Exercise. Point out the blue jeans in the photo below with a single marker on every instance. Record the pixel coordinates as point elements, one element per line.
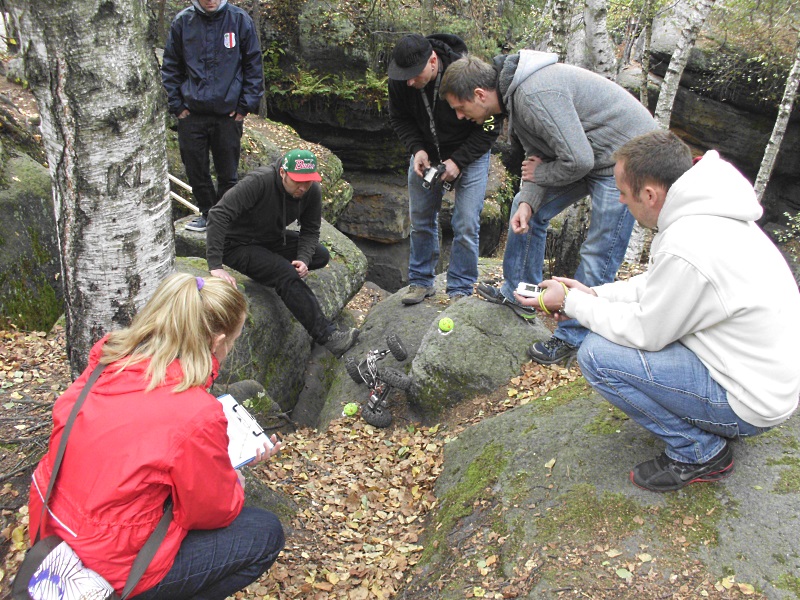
<point>602,251</point>
<point>424,206</point>
<point>216,563</point>
<point>670,393</point>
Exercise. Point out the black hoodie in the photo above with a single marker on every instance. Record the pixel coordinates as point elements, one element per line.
<point>461,141</point>
<point>257,210</point>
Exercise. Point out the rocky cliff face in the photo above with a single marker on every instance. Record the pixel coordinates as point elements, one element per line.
<point>738,125</point>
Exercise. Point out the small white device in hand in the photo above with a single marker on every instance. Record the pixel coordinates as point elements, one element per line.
<point>528,290</point>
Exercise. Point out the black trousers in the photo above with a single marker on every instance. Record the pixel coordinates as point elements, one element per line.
<point>222,136</point>
<point>272,266</point>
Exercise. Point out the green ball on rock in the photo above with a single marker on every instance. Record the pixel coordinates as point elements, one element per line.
<point>350,409</point>
<point>446,324</point>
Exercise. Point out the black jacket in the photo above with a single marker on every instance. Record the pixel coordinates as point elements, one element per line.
<point>212,63</point>
<point>257,210</point>
<point>461,141</point>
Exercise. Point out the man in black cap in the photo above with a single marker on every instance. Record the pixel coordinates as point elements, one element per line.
<point>434,135</point>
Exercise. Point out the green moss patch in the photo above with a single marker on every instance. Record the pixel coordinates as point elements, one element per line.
<point>789,480</point>
<point>608,422</point>
<point>589,516</point>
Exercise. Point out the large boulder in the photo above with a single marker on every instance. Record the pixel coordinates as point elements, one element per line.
<point>484,350</point>
<point>31,294</point>
<point>543,490</point>
<point>274,347</point>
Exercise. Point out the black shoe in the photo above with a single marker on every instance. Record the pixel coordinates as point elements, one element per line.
<point>662,474</point>
<point>552,351</point>
<point>495,296</point>
<point>340,341</point>
<point>197,224</point>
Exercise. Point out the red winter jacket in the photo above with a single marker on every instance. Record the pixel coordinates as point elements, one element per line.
<point>129,450</point>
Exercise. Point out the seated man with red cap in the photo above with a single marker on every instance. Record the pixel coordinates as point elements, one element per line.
<point>247,231</point>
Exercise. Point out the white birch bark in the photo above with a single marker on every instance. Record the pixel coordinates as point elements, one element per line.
<point>599,49</point>
<point>778,131</point>
<point>559,34</point>
<point>672,78</point>
<point>96,81</point>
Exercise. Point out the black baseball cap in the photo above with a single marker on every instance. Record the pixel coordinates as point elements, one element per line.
<point>409,57</point>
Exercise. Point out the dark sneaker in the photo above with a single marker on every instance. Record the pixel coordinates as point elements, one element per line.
<point>341,341</point>
<point>494,295</point>
<point>416,294</point>
<point>197,224</point>
<point>662,474</point>
<point>552,351</point>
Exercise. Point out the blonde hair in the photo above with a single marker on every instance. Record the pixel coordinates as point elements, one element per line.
<point>180,320</point>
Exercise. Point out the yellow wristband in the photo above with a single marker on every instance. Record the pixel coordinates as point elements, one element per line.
<point>541,303</point>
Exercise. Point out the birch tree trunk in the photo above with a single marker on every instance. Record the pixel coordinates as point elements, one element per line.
<point>784,111</point>
<point>562,17</point>
<point>599,49</point>
<point>672,79</point>
<point>96,81</point>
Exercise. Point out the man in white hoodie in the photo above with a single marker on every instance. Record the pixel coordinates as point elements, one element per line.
<point>703,346</point>
<point>570,122</point>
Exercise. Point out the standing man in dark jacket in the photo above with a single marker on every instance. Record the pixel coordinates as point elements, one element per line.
<point>433,135</point>
<point>213,76</point>
<point>247,231</point>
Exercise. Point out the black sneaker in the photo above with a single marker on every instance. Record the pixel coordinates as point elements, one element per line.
<point>495,296</point>
<point>662,474</point>
<point>197,224</point>
<point>340,341</point>
<point>552,351</point>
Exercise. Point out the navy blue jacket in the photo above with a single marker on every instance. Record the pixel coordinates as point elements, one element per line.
<point>212,63</point>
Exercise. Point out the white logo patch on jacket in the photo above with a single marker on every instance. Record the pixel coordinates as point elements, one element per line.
<point>229,39</point>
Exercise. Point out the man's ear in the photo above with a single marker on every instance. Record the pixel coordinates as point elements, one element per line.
<point>479,94</point>
<point>653,195</point>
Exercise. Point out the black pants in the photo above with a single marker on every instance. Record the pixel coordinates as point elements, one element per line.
<point>272,266</point>
<point>222,136</point>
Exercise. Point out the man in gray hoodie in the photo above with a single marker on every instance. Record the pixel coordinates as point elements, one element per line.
<point>570,122</point>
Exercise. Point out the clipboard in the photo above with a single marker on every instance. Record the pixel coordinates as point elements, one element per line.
<point>244,433</point>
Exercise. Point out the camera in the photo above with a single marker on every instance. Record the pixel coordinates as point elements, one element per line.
<point>432,175</point>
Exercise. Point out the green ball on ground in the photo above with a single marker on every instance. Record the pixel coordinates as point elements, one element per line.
<point>446,324</point>
<point>350,409</point>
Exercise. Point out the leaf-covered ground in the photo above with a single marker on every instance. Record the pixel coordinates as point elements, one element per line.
<point>363,496</point>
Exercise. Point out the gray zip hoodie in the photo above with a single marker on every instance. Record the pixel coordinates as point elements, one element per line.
<point>573,119</point>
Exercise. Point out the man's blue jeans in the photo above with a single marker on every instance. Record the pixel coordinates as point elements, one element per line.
<point>216,563</point>
<point>670,393</point>
<point>602,251</point>
<point>424,206</point>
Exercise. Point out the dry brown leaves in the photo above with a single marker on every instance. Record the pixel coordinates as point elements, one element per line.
<point>363,494</point>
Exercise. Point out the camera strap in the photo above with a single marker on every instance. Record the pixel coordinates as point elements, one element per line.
<point>430,110</point>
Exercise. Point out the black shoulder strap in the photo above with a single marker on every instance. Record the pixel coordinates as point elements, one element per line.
<point>62,445</point>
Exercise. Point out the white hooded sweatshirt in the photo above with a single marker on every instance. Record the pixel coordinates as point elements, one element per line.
<point>718,285</point>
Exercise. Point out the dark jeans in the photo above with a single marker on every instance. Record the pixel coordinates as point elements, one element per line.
<point>216,563</point>
<point>222,136</point>
<point>272,266</point>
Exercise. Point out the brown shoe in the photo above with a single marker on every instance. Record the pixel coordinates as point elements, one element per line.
<point>416,294</point>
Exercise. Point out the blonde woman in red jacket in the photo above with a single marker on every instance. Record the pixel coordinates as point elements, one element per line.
<point>149,431</point>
